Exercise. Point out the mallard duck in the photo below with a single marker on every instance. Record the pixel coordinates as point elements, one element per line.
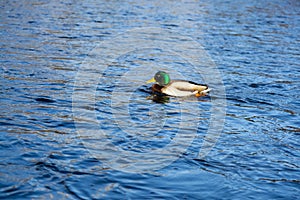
<point>176,88</point>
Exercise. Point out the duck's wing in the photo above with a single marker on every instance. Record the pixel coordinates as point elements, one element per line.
<point>188,85</point>
<point>181,88</point>
<point>173,91</point>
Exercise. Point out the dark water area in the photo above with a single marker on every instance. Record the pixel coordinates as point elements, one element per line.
<point>73,91</point>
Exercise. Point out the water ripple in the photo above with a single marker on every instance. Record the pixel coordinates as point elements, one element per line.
<point>255,45</point>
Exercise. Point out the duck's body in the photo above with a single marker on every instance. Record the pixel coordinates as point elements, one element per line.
<point>177,88</point>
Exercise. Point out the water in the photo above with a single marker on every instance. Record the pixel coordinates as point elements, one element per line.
<point>44,44</point>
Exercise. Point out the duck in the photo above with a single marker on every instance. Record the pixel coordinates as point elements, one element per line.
<point>176,88</point>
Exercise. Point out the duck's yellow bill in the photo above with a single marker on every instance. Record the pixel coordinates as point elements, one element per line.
<point>151,80</point>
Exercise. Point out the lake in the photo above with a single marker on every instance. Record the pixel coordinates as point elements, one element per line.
<point>78,120</point>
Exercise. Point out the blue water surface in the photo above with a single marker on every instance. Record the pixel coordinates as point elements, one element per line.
<point>44,44</point>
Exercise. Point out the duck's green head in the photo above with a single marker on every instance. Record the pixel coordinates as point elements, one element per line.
<point>161,77</point>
